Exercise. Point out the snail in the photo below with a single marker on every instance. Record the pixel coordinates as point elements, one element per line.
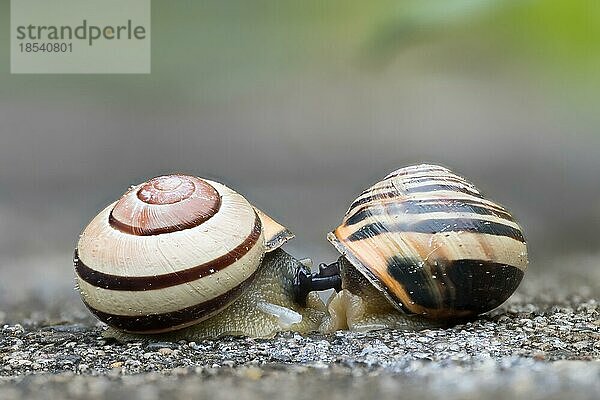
<point>181,257</point>
<point>422,248</point>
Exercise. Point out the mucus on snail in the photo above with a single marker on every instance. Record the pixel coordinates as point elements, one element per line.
<point>422,248</point>
<point>181,257</point>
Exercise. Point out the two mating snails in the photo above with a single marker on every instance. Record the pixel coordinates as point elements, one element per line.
<point>188,258</point>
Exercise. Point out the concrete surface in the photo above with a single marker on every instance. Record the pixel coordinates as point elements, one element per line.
<point>535,346</point>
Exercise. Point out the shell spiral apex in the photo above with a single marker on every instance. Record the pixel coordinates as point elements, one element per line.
<point>165,204</point>
<point>433,244</point>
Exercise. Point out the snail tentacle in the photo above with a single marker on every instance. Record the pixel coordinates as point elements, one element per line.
<point>327,278</point>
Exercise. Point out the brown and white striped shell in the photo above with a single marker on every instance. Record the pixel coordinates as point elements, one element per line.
<point>171,252</point>
<point>432,244</point>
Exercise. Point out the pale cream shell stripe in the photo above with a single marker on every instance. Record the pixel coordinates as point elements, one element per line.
<point>107,250</point>
<point>423,169</point>
<point>412,184</point>
<point>444,194</point>
<point>436,177</point>
<point>406,181</point>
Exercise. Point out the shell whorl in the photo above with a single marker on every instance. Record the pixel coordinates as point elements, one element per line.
<point>165,204</point>
<point>433,244</point>
<point>171,252</point>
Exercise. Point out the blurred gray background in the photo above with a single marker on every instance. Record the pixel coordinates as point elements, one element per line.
<point>300,106</point>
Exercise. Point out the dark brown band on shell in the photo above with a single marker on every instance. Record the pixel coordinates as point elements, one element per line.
<point>153,282</point>
<point>435,226</point>
<point>416,207</point>
<point>448,288</point>
<point>156,323</point>
<point>152,208</point>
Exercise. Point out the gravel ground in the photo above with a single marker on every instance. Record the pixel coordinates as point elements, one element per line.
<point>536,351</point>
<point>543,343</point>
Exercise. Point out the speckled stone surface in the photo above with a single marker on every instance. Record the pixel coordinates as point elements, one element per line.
<point>523,349</point>
<point>544,343</point>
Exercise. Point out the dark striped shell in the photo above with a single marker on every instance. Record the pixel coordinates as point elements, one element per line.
<point>432,244</point>
<point>171,252</point>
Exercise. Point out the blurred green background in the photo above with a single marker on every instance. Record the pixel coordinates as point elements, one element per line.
<point>300,106</point>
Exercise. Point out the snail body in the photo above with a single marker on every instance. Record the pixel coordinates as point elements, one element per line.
<point>423,247</point>
<point>175,254</point>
